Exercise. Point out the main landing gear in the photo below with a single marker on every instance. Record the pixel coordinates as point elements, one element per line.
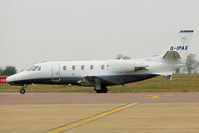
<point>22,90</point>
<point>102,90</point>
<point>99,88</point>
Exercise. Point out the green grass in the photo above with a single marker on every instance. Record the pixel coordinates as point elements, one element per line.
<point>180,83</point>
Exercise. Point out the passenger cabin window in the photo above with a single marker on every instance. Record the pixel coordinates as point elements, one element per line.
<point>64,67</point>
<point>107,67</point>
<point>82,67</point>
<point>102,66</point>
<point>73,67</point>
<point>91,67</point>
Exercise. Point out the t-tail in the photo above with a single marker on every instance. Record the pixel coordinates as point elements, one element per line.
<point>179,49</point>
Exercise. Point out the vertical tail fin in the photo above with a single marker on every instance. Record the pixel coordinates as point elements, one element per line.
<point>180,47</point>
<point>182,43</point>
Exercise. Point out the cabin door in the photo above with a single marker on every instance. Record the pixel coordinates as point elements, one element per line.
<point>56,72</point>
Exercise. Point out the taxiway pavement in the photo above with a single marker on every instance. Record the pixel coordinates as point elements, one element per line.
<point>99,113</point>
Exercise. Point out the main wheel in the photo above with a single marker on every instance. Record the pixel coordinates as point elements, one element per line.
<point>22,91</point>
<point>102,90</point>
<point>98,91</point>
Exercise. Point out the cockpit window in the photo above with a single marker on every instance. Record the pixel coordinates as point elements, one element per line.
<point>39,68</point>
<point>34,68</point>
<point>30,69</point>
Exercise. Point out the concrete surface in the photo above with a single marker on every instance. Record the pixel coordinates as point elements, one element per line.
<point>71,98</point>
<point>41,118</point>
<point>155,112</point>
<point>148,118</point>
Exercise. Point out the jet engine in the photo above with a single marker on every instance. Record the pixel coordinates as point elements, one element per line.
<point>121,66</point>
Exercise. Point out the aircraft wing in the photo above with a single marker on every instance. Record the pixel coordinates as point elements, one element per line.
<point>90,80</point>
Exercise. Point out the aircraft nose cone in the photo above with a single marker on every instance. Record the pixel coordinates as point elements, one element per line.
<point>10,79</point>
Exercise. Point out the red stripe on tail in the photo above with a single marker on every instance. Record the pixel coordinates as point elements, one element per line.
<point>2,80</point>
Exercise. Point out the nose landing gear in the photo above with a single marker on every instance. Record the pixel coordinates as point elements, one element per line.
<point>22,90</point>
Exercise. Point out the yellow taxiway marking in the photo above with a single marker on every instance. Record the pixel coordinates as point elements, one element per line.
<point>154,97</point>
<point>84,121</point>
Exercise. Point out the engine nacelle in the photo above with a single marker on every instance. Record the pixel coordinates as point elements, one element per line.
<point>121,66</point>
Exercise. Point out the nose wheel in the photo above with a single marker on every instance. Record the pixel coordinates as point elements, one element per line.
<point>22,90</point>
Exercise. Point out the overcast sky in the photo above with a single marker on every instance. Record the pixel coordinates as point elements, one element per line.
<point>33,31</point>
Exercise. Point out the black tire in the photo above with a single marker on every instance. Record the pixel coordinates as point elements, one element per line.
<point>102,90</point>
<point>22,91</point>
<point>98,91</point>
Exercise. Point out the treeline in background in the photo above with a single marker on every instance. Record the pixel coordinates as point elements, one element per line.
<point>9,70</point>
<point>191,66</point>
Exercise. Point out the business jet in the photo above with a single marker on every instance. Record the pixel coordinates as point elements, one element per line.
<point>100,74</point>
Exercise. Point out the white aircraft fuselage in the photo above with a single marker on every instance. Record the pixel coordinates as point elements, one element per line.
<point>101,74</point>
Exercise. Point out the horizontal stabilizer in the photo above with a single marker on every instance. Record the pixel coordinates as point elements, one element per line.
<point>171,55</point>
<point>165,73</point>
<point>2,80</point>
